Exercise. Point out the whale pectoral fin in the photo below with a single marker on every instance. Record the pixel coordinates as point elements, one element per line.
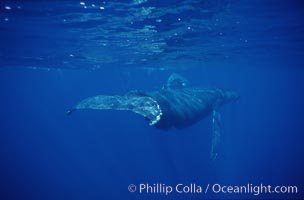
<point>69,112</point>
<point>140,104</point>
<point>136,93</point>
<point>216,134</point>
<point>100,102</point>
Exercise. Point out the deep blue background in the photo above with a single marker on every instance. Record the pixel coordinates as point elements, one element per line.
<point>47,155</point>
<point>95,155</point>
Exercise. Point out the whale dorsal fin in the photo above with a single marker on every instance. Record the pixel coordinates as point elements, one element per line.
<point>176,81</point>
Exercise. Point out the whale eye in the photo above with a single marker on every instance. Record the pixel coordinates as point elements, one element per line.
<point>176,81</point>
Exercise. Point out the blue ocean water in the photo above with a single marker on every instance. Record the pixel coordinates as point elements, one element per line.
<point>55,53</point>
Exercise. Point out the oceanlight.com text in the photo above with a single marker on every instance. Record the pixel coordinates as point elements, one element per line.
<point>254,189</point>
<point>216,188</point>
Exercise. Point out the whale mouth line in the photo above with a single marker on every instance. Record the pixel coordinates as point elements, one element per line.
<point>138,103</point>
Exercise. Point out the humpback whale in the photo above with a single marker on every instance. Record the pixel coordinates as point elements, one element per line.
<point>174,105</point>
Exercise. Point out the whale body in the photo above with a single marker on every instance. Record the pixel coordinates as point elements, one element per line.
<point>174,105</point>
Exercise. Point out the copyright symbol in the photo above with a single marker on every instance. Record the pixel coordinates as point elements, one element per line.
<point>132,188</point>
